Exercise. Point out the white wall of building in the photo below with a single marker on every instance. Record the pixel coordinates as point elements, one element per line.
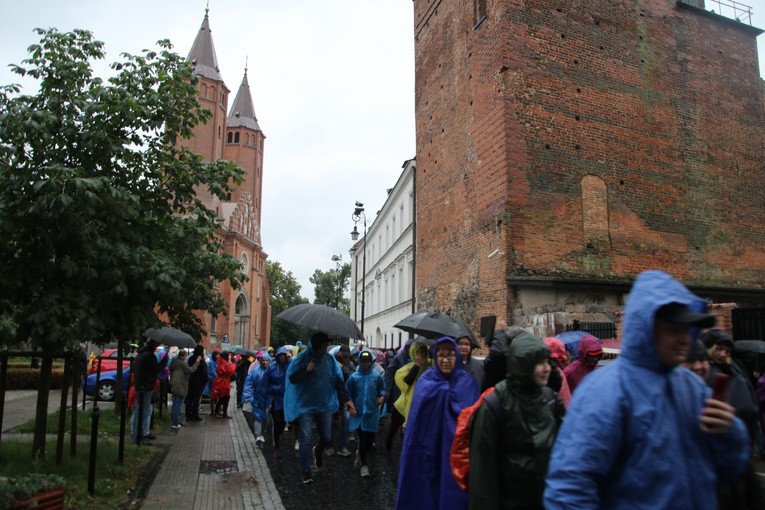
<point>388,281</point>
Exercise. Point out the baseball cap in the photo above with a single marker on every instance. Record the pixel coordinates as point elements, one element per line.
<point>366,356</point>
<point>678,313</point>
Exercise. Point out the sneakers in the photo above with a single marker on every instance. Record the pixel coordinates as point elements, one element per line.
<point>175,427</point>
<point>259,441</point>
<point>344,452</point>
<point>297,445</point>
<point>329,451</point>
<point>364,472</point>
<point>307,477</point>
<point>150,436</point>
<point>317,459</point>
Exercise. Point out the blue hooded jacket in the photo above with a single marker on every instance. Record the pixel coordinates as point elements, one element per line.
<point>425,478</point>
<point>256,389</point>
<point>277,375</point>
<point>364,387</point>
<point>632,436</point>
<point>316,392</point>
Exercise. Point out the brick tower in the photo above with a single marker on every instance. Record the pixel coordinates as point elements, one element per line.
<point>565,146</point>
<point>235,137</point>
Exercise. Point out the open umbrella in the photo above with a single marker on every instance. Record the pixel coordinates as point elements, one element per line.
<point>571,340</point>
<point>751,353</point>
<point>434,325</point>
<point>171,337</point>
<point>322,318</point>
<point>245,352</point>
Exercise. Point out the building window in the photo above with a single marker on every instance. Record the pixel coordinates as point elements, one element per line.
<point>230,137</point>
<point>241,320</point>
<point>236,137</point>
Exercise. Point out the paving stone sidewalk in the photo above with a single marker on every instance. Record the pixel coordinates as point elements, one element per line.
<point>213,464</point>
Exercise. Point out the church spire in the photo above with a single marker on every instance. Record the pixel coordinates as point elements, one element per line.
<point>242,112</point>
<point>202,52</point>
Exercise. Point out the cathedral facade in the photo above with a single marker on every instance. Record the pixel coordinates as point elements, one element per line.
<point>233,134</point>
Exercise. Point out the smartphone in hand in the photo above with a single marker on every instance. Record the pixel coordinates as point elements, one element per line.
<point>720,386</point>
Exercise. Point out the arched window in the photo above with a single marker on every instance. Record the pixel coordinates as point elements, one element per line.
<point>230,137</point>
<point>241,320</point>
<point>236,137</point>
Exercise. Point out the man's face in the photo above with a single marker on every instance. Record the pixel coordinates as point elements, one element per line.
<point>592,361</point>
<point>541,373</point>
<point>464,345</point>
<point>446,358</point>
<point>264,362</point>
<point>672,342</point>
<point>699,367</point>
<point>322,349</point>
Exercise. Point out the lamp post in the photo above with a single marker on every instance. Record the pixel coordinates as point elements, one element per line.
<point>358,215</point>
<point>338,259</point>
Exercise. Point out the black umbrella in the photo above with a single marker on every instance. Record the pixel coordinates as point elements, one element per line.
<point>322,318</point>
<point>245,352</point>
<point>436,324</point>
<point>755,346</point>
<point>171,337</point>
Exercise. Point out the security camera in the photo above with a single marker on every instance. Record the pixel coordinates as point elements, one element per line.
<point>494,253</point>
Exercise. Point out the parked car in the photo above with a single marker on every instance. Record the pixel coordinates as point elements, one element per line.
<point>107,384</point>
<point>109,361</point>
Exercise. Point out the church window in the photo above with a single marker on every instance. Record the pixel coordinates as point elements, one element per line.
<point>230,137</point>
<point>236,137</point>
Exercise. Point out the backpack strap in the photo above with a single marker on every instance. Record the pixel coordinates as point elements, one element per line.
<point>492,401</point>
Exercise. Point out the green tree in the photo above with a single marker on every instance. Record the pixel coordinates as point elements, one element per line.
<point>330,287</point>
<point>99,220</point>
<point>285,292</point>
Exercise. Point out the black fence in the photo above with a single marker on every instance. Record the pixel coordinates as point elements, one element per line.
<point>601,330</point>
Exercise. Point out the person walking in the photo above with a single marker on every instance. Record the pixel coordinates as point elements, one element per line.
<point>393,392</point>
<point>221,389</point>
<point>314,389</point>
<point>425,479</point>
<point>366,388</point>
<point>644,432</point>
<point>510,451</point>
<point>471,365</point>
<point>197,382</point>
<point>277,374</point>
<point>590,352</point>
<point>408,375</point>
<point>256,393</point>
<point>179,384</point>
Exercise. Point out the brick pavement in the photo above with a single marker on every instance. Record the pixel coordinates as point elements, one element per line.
<point>213,464</point>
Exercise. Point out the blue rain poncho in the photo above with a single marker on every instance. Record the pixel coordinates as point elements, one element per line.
<point>317,391</point>
<point>364,388</point>
<point>632,436</point>
<point>256,389</point>
<point>277,374</point>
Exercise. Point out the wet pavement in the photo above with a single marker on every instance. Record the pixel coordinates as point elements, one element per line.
<point>338,485</point>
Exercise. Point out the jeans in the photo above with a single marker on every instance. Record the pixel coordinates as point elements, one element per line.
<point>175,416</point>
<point>145,397</point>
<point>342,433</point>
<point>323,426</point>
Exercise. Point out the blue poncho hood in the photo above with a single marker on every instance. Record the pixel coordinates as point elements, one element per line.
<point>316,392</point>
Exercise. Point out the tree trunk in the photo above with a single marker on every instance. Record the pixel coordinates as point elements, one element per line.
<point>41,415</point>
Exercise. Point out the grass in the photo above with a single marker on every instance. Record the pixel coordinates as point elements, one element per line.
<point>114,484</point>
<point>108,423</point>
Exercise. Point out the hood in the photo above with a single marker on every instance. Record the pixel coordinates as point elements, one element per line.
<point>265,355</point>
<point>557,349</point>
<point>524,353</point>
<point>416,344</point>
<point>281,351</point>
<point>444,340</point>
<point>586,344</point>
<point>651,291</point>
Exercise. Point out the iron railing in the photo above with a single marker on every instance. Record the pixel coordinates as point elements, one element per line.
<point>728,8</point>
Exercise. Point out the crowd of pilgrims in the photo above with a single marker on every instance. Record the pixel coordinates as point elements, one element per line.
<point>640,432</point>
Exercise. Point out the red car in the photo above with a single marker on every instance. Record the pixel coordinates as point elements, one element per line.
<point>109,361</point>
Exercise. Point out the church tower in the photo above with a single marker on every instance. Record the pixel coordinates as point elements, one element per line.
<point>236,137</point>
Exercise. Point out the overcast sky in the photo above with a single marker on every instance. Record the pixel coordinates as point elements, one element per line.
<point>333,86</point>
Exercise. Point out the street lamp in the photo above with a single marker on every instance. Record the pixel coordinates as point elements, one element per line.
<point>338,259</point>
<point>358,215</point>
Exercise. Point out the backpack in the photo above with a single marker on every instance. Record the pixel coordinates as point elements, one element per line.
<point>459,456</point>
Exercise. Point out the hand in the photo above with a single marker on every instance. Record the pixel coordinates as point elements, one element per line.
<point>381,400</point>
<point>310,366</point>
<point>717,416</point>
<point>351,407</point>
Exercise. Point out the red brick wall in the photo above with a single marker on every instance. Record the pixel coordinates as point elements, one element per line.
<point>660,108</point>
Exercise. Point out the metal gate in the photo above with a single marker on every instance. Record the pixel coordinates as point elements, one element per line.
<point>600,330</point>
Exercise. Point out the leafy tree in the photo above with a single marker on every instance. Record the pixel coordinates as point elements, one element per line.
<point>100,224</point>
<point>285,292</point>
<point>330,287</point>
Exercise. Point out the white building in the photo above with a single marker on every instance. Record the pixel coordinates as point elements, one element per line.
<point>388,282</point>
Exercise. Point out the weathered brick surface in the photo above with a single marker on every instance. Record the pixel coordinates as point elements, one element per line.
<point>587,140</point>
